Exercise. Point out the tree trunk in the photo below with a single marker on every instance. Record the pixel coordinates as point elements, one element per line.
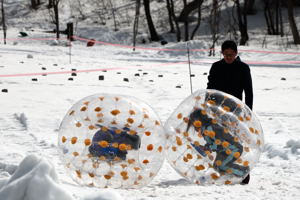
<point>188,9</point>
<point>178,32</point>
<point>198,20</point>
<point>271,20</point>
<point>242,23</point>
<point>273,16</point>
<point>3,21</point>
<point>113,14</point>
<point>186,24</point>
<point>55,7</point>
<point>250,7</point>
<point>214,25</point>
<point>33,4</point>
<point>281,21</point>
<point>136,21</point>
<point>50,4</point>
<point>152,30</point>
<point>172,29</point>
<point>277,17</point>
<point>266,7</point>
<point>292,22</point>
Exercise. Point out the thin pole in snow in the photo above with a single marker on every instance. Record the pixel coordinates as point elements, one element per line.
<point>189,61</point>
<point>70,38</point>
<point>70,51</point>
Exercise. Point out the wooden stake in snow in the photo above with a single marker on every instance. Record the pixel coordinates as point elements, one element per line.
<point>70,34</point>
<point>101,77</point>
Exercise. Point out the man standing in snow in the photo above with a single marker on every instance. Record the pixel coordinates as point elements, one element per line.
<point>232,76</point>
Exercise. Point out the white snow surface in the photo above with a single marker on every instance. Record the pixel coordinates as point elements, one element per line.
<point>36,92</point>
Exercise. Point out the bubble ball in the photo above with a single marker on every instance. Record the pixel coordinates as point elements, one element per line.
<point>113,141</point>
<point>213,138</point>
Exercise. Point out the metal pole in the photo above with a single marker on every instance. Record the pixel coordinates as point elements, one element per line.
<point>189,61</point>
<point>70,37</point>
<point>70,52</point>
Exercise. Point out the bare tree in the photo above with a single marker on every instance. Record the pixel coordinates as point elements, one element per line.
<point>198,20</point>
<point>250,7</point>
<point>80,9</point>
<point>268,17</point>
<point>186,23</point>
<point>279,21</point>
<point>136,21</point>
<point>50,4</point>
<point>3,21</point>
<point>101,10</point>
<point>242,20</point>
<point>293,25</point>
<point>113,12</point>
<point>188,8</point>
<point>153,34</point>
<point>214,21</point>
<point>231,28</point>
<point>172,29</point>
<point>273,16</point>
<point>56,13</point>
<point>35,4</point>
<point>174,18</point>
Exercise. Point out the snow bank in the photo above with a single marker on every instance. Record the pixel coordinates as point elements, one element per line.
<point>35,178</point>
<point>197,48</point>
<point>294,145</point>
<point>22,119</point>
<point>7,168</point>
<point>273,151</point>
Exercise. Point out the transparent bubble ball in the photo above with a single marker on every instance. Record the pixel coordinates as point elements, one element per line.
<point>113,141</point>
<point>213,138</point>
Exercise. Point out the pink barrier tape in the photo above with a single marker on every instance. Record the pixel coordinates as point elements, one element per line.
<point>164,49</point>
<point>253,62</point>
<point>87,70</point>
<point>272,62</point>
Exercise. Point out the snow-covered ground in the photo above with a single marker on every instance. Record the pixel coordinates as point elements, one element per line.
<point>36,75</point>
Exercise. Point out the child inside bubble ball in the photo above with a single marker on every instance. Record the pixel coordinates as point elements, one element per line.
<point>113,144</point>
<point>219,140</point>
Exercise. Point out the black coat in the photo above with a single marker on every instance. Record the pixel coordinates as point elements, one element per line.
<point>232,78</point>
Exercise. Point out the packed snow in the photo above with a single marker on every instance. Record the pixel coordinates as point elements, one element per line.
<point>37,92</point>
<point>41,79</point>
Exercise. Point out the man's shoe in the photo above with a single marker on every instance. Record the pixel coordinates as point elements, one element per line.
<point>246,180</point>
